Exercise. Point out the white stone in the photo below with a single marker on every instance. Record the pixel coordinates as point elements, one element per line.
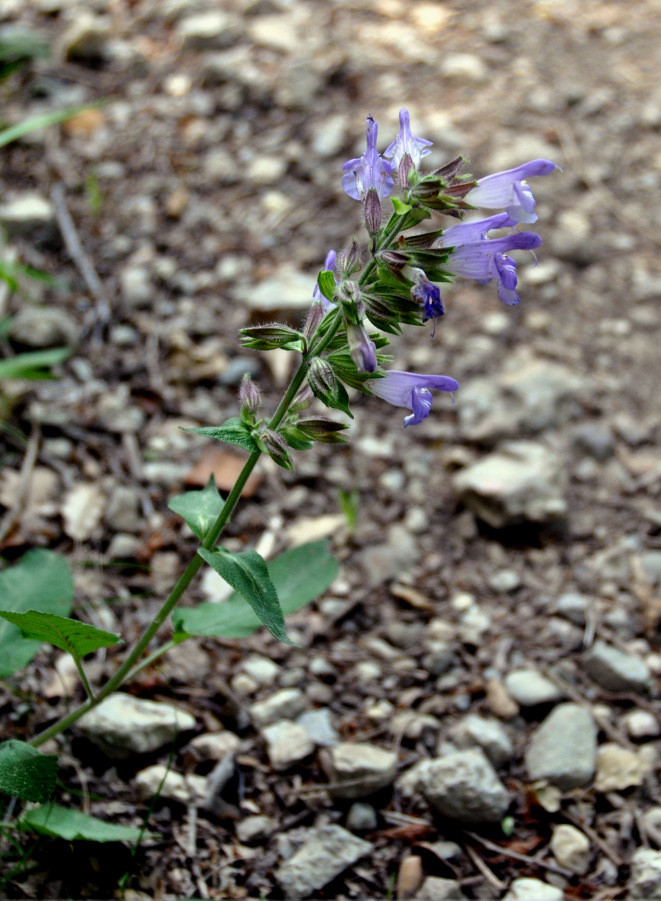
<point>287,744</point>
<point>288,703</point>
<point>645,878</point>
<point>159,780</point>
<point>615,670</point>
<point>357,769</point>
<point>254,828</point>
<point>528,688</point>
<point>216,745</point>
<point>529,889</point>
<point>488,734</point>
<point>261,669</point>
<point>571,848</point>
<point>641,724</point>
<point>464,786</point>
<point>123,725</point>
<point>26,214</point>
<point>619,768</point>
<point>563,748</point>
<point>327,852</point>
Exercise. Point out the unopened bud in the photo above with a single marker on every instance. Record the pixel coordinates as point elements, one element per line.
<point>314,317</point>
<point>349,261</point>
<point>372,211</point>
<point>275,446</point>
<point>322,429</point>
<point>250,397</point>
<point>321,379</point>
<point>394,260</point>
<point>405,166</point>
<point>361,348</point>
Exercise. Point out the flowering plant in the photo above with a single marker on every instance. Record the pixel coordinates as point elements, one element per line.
<point>362,295</point>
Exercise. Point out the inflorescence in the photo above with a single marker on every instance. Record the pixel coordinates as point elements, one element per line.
<point>363,294</point>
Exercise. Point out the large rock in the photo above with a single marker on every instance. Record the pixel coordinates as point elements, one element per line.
<point>123,725</point>
<point>464,786</point>
<point>529,396</point>
<point>358,769</point>
<point>522,481</point>
<point>328,851</point>
<point>615,670</point>
<point>563,748</point>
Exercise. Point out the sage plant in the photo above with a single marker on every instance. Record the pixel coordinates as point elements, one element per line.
<point>365,292</point>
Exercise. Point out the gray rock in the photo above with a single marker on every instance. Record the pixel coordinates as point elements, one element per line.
<point>29,215</point>
<point>361,817</point>
<point>319,726</point>
<point>255,828</point>
<point>528,688</point>
<point>595,439</point>
<point>136,286</point>
<point>122,512</point>
<point>573,606</point>
<point>164,782</point>
<point>328,851</point>
<point>216,745</point>
<point>529,889</point>
<point>356,770</point>
<point>464,786</point>
<point>261,669</point>
<point>123,725</point>
<point>520,482</point>
<point>86,38</point>
<point>210,30</point>
<point>527,397</point>
<point>286,704</point>
<point>488,734</point>
<point>382,562</point>
<point>287,744</point>
<point>41,327</point>
<point>563,749</point>
<point>645,878</point>
<point>571,848</point>
<point>615,670</point>
<point>434,888</point>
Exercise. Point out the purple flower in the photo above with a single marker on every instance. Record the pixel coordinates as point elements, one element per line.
<point>317,296</point>
<point>406,144</point>
<point>411,389</point>
<point>368,171</point>
<point>361,348</point>
<point>469,232</point>
<point>428,295</point>
<point>508,189</point>
<point>487,258</point>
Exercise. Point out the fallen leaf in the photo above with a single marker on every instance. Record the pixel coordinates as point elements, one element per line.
<point>225,466</point>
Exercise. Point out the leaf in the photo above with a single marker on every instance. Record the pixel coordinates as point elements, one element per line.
<point>246,572</point>
<point>326,283</point>
<point>34,364</point>
<point>26,773</point>
<point>40,581</point>
<point>232,431</point>
<point>400,207</point>
<point>34,123</point>
<point>200,509</point>
<point>299,576</point>
<point>71,825</point>
<point>77,638</point>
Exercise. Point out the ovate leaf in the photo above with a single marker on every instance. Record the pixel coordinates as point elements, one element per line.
<point>39,581</point>
<point>299,576</point>
<point>77,638</point>
<point>71,825</point>
<point>26,773</point>
<point>232,431</point>
<point>200,509</point>
<point>247,573</point>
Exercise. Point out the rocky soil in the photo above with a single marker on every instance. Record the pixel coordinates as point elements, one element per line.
<point>474,711</point>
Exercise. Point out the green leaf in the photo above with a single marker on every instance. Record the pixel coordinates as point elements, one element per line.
<point>296,439</point>
<point>299,576</point>
<point>326,282</point>
<point>77,638</point>
<point>40,581</point>
<point>34,123</point>
<point>71,825</point>
<point>246,572</point>
<point>200,509</point>
<point>232,431</point>
<point>34,364</point>
<point>26,773</point>
<point>400,207</point>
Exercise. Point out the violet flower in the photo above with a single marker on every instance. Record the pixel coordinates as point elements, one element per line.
<point>317,296</point>
<point>428,295</point>
<point>406,145</point>
<point>508,189</point>
<point>411,389</point>
<point>368,171</point>
<point>487,258</point>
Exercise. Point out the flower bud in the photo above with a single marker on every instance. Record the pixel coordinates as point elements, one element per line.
<point>349,260</point>
<point>275,446</point>
<point>314,317</point>
<point>372,211</point>
<point>250,397</point>
<point>321,379</point>
<point>322,429</point>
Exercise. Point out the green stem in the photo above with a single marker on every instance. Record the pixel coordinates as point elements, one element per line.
<point>83,678</point>
<point>130,666</point>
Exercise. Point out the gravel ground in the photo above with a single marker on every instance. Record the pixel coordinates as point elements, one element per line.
<point>474,711</point>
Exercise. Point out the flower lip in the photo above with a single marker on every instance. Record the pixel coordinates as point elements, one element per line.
<point>412,390</point>
<point>508,189</point>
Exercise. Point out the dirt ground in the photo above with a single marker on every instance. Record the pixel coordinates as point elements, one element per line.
<point>213,167</point>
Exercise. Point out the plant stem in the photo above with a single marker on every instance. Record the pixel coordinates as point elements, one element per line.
<point>130,665</point>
